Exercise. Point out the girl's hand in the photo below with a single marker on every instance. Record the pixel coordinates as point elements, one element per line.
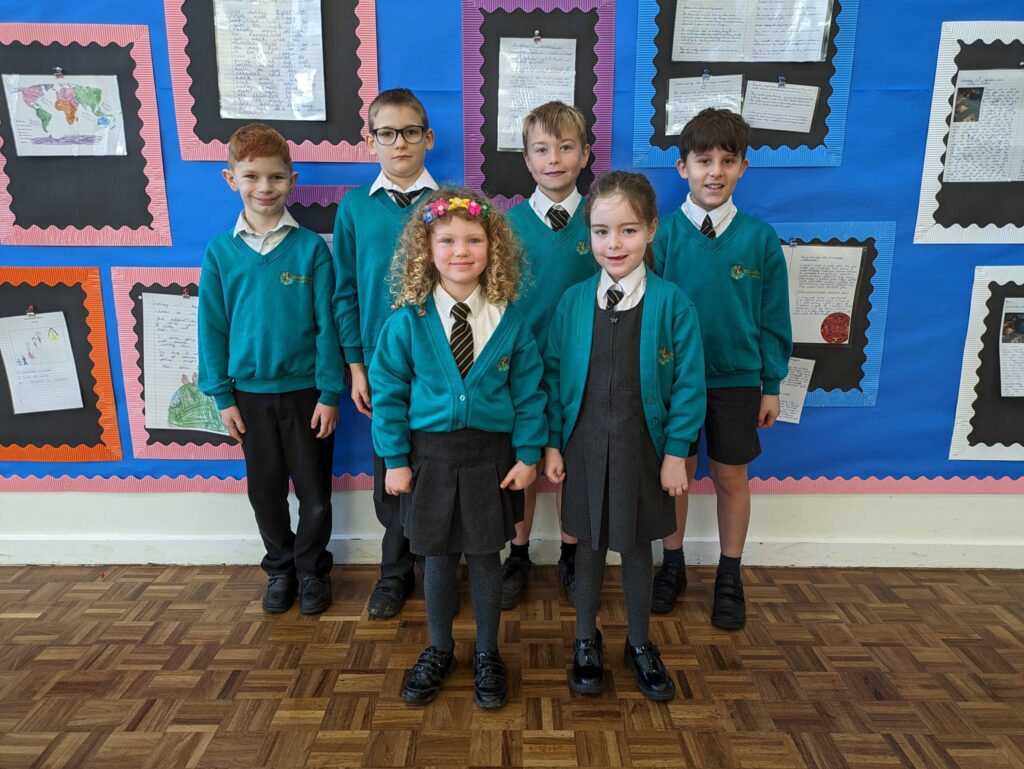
<point>232,419</point>
<point>398,480</point>
<point>360,389</point>
<point>325,418</point>
<point>554,465</point>
<point>673,475</point>
<point>520,476</point>
<point>769,410</point>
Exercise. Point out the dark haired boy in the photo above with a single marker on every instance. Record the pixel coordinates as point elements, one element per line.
<point>731,266</point>
<point>366,231</point>
<point>269,356</point>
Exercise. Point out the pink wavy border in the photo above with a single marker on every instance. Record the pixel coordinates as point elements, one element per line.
<point>194,148</point>
<point>159,234</point>
<point>364,482</point>
<point>317,194</point>
<point>472,78</point>
<point>123,279</point>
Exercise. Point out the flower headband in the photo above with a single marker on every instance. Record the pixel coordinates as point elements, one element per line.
<point>441,207</point>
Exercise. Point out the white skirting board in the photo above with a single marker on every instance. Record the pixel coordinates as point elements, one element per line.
<point>905,530</point>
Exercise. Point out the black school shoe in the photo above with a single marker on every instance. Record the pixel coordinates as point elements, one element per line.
<point>314,594</point>
<point>389,595</point>
<point>424,679</point>
<point>587,674</point>
<point>280,593</point>
<point>729,611</point>
<point>652,679</point>
<point>490,681</point>
<point>515,575</point>
<point>669,582</point>
<point>567,578</point>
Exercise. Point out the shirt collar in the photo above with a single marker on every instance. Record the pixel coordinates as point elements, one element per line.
<point>242,225</point>
<point>382,182</point>
<point>718,215</point>
<point>445,302</point>
<point>541,203</point>
<point>629,284</point>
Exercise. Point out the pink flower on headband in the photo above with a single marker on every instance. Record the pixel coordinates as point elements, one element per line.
<point>474,208</point>
<point>439,207</point>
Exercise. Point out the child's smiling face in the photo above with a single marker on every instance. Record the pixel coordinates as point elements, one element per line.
<point>712,175</point>
<point>618,235</point>
<point>264,184</point>
<point>555,162</point>
<point>459,250</point>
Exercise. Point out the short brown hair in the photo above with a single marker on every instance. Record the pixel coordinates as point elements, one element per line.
<point>257,140</point>
<point>635,189</point>
<point>554,117</point>
<point>396,97</point>
<point>713,129</point>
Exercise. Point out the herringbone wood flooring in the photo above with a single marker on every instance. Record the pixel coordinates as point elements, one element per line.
<point>140,667</point>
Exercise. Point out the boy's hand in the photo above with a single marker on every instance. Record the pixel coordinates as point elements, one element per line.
<point>325,418</point>
<point>554,465</point>
<point>673,475</point>
<point>232,419</point>
<point>360,389</point>
<point>769,410</point>
<point>398,480</point>
<point>520,476</point>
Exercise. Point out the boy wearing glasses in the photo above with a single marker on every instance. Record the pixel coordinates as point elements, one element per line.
<point>366,231</point>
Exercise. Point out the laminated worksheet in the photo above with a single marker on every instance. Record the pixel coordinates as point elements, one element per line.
<point>986,134</point>
<point>689,95</point>
<point>793,390</point>
<point>822,288</point>
<point>1011,349</point>
<point>780,106</point>
<point>530,73</point>
<point>39,363</point>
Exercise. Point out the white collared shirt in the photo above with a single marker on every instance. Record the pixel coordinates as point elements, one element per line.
<point>424,180</point>
<point>541,204</point>
<point>483,318</point>
<point>632,286</point>
<point>721,217</point>
<point>270,239</point>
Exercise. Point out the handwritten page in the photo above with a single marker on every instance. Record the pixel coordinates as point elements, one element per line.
<point>793,389</point>
<point>270,59</point>
<point>73,115</point>
<point>1011,349</point>
<point>751,30</point>
<point>170,352</point>
<point>689,95</point>
<point>822,289</point>
<point>531,73</point>
<point>39,362</point>
<point>986,133</point>
<point>778,107</point>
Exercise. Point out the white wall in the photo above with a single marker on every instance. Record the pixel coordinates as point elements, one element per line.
<point>800,530</point>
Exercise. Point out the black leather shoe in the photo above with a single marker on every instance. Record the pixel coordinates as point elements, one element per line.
<point>669,582</point>
<point>567,576</point>
<point>490,683</point>
<point>424,679</point>
<point>587,675</point>
<point>729,611</point>
<point>652,679</point>
<point>514,576</point>
<point>389,596</point>
<point>314,594</point>
<point>280,593</point>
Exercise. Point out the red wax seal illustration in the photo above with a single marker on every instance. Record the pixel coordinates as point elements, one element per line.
<point>835,329</point>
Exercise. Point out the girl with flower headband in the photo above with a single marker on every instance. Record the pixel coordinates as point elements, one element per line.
<point>624,374</point>
<point>458,419</point>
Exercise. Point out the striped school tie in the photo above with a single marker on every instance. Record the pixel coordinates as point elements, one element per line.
<point>405,199</point>
<point>707,229</point>
<point>461,341</point>
<point>558,217</point>
<point>612,297</point>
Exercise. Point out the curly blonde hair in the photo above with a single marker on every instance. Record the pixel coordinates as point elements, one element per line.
<point>413,274</point>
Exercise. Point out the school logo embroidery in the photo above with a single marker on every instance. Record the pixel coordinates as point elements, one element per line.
<point>665,355</point>
<point>582,247</point>
<point>503,363</point>
<point>287,278</point>
<point>738,272</point>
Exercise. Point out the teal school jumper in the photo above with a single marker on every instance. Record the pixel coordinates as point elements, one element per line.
<point>739,285</point>
<point>265,320</point>
<point>416,385</point>
<point>671,365</point>
<point>555,261</point>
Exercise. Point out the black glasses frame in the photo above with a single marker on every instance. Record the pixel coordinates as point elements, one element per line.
<point>403,131</point>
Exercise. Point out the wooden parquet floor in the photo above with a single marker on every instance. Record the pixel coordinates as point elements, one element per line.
<point>146,667</point>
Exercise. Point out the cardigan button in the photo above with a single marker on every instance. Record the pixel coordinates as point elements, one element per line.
<point>650,399</point>
<point>462,397</point>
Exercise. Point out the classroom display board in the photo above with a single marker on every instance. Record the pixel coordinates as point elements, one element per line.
<point>907,351</point>
<point>785,66</point>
